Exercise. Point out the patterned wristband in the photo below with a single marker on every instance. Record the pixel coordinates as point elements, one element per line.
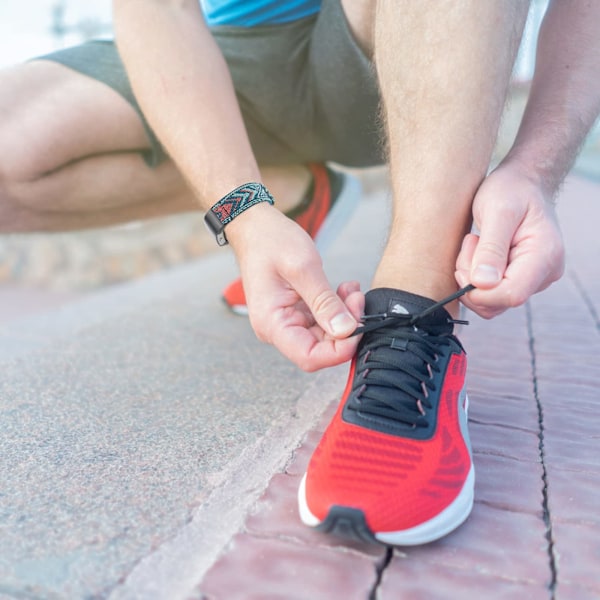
<point>233,205</point>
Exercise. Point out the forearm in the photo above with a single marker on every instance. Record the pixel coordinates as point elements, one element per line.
<point>564,99</point>
<point>183,86</point>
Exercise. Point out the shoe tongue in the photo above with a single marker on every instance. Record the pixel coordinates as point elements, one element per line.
<point>398,302</point>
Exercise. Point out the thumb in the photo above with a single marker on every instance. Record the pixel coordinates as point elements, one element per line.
<point>327,308</point>
<point>490,257</point>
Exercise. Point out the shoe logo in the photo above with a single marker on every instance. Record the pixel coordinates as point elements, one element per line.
<point>398,309</point>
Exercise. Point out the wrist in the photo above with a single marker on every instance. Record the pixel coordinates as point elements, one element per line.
<point>244,230</point>
<point>537,173</point>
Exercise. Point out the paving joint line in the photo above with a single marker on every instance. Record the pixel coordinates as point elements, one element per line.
<point>545,496</point>
<point>380,567</point>
<point>586,297</point>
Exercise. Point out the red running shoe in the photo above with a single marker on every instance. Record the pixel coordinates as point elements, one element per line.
<point>327,206</point>
<point>395,464</point>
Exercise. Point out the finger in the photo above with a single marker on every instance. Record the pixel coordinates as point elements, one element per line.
<point>481,304</point>
<point>490,257</point>
<point>356,304</point>
<point>326,306</point>
<point>353,298</point>
<point>346,288</point>
<point>309,350</point>
<point>526,274</point>
<point>464,259</point>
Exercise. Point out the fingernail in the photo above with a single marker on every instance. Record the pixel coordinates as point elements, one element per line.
<point>461,278</point>
<point>486,274</point>
<point>342,324</point>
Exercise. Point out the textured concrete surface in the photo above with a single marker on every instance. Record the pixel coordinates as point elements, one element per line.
<point>21,301</point>
<point>115,433</point>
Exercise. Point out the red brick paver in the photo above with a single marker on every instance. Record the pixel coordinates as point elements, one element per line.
<point>258,568</point>
<point>534,376</point>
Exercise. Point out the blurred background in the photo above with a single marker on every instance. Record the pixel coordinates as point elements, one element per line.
<point>37,26</point>
<point>38,271</point>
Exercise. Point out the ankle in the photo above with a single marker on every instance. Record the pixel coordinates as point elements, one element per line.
<point>430,283</point>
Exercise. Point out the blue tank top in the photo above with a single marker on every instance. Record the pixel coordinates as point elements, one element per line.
<point>246,13</point>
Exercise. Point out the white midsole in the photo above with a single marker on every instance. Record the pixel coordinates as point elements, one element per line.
<point>448,520</point>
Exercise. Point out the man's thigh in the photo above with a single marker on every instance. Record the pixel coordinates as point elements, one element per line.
<point>307,89</point>
<point>52,115</point>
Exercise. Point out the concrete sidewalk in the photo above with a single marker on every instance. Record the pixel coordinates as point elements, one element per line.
<point>142,458</point>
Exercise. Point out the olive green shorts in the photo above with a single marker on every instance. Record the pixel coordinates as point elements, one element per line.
<point>306,90</point>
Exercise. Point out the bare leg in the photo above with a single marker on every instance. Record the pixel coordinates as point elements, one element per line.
<point>444,69</point>
<point>70,149</point>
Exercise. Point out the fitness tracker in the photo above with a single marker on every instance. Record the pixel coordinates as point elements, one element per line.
<point>232,205</point>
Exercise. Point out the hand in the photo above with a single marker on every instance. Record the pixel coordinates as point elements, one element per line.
<point>290,302</point>
<point>519,250</point>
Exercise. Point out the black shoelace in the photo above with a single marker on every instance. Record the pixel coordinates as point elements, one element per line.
<point>395,370</point>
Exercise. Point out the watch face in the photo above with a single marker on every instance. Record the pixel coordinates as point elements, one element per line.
<point>221,239</point>
<point>215,226</point>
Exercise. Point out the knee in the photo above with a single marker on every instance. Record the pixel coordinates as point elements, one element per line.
<point>17,162</point>
<point>6,172</point>
<point>13,168</point>
<point>26,148</point>
<point>10,205</point>
<point>10,184</point>
<point>11,211</point>
<point>19,176</point>
<point>18,212</point>
<point>15,187</point>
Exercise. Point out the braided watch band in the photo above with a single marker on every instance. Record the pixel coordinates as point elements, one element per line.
<point>233,205</point>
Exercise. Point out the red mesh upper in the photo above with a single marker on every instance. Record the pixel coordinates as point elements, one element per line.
<point>397,482</point>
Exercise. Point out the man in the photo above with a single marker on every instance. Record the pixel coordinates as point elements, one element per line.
<point>395,464</point>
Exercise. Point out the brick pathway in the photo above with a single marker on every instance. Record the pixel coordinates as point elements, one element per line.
<point>535,528</point>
